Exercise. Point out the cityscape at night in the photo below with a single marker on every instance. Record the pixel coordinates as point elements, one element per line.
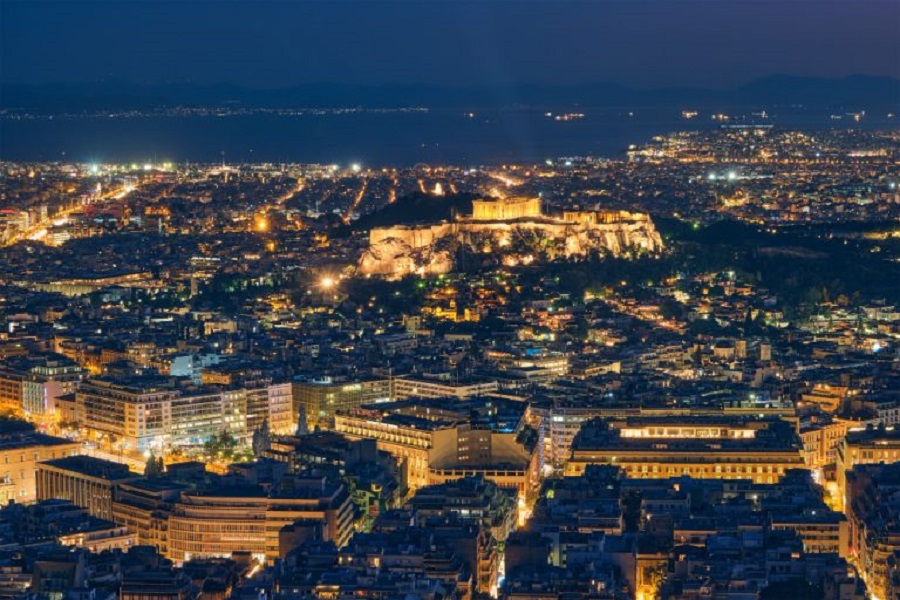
<point>448,300</point>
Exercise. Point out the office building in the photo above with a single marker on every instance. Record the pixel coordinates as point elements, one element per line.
<point>320,399</point>
<point>436,441</point>
<point>30,385</point>
<point>700,447</point>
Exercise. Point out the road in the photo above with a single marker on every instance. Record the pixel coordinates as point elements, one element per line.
<point>39,230</point>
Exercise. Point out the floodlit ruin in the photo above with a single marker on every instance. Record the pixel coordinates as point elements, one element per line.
<point>514,229</point>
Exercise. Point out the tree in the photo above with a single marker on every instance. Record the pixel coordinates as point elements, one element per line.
<point>154,466</point>
<point>670,308</point>
<point>631,511</point>
<point>302,423</point>
<point>262,438</point>
<point>223,444</point>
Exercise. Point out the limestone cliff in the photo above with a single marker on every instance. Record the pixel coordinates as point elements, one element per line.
<point>432,249</point>
<point>394,257</point>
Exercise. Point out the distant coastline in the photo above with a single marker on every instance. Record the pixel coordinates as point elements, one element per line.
<point>375,137</point>
<point>854,92</point>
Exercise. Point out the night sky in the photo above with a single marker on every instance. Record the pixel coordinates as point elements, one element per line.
<point>644,43</point>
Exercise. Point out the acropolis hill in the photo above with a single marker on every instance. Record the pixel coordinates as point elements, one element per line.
<point>512,230</point>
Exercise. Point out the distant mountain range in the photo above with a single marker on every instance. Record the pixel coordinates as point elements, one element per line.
<point>854,92</point>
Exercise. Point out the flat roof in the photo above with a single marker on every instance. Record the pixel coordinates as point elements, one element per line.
<point>94,467</point>
<point>30,440</point>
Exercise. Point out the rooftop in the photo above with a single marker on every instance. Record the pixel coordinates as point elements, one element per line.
<point>770,434</point>
<point>28,440</point>
<point>94,467</point>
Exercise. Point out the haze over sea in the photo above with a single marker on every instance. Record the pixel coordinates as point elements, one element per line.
<point>374,138</point>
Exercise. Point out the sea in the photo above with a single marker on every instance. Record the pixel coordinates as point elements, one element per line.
<point>377,138</point>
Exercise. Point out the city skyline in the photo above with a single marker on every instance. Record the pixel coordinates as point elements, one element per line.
<point>436,300</point>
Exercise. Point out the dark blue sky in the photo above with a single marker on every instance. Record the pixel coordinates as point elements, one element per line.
<point>646,43</point>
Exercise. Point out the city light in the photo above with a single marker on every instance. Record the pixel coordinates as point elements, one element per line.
<point>237,358</point>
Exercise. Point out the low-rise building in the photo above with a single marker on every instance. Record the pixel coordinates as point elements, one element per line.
<point>870,446</point>
<point>320,399</point>
<point>31,384</point>
<point>873,512</point>
<point>83,480</point>
<point>438,441</point>
<point>21,451</point>
<point>247,518</point>
<point>421,387</point>
<point>704,448</point>
<point>147,412</point>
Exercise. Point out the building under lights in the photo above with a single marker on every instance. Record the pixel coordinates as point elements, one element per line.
<point>32,384</point>
<point>248,518</point>
<point>320,399</point>
<point>420,387</point>
<point>443,440</point>
<point>761,450</point>
<point>871,446</point>
<point>873,511</point>
<point>560,420</point>
<point>21,451</point>
<point>155,412</point>
<point>83,480</point>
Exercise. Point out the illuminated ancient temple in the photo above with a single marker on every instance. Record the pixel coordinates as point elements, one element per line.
<point>495,224</point>
<point>506,209</point>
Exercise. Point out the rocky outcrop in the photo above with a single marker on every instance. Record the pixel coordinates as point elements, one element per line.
<point>431,249</point>
<point>393,257</point>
